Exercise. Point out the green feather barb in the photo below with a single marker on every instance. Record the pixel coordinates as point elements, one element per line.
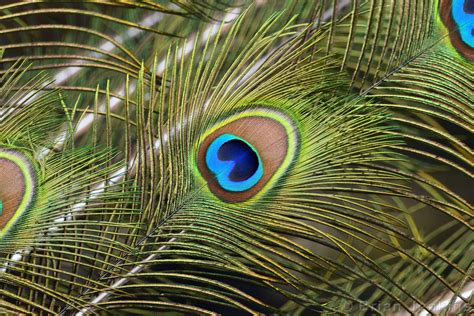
<point>228,157</point>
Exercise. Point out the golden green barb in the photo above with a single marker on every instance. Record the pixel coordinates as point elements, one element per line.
<point>291,157</point>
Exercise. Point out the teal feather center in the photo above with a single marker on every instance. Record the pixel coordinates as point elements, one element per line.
<point>235,163</point>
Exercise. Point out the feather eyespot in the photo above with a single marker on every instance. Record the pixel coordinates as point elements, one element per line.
<point>458,17</point>
<point>243,155</point>
<point>234,162</point>
<point>17,187</point>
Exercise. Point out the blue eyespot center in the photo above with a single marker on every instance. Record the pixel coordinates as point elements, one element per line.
<point>246,160</point>
<point>235,163</point>
<point>463,16</point>
<point>469,6</point>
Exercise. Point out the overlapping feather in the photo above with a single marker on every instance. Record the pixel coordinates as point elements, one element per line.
<point>367,83</point>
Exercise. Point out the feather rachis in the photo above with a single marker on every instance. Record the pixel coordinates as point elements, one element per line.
<point>339,227</point>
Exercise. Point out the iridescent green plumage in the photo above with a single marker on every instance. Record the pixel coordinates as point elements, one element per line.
<point>352,108</point>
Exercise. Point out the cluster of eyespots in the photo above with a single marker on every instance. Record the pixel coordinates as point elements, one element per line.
<point>245,154</point>
<point>458,17</point>
<point>17,187</point>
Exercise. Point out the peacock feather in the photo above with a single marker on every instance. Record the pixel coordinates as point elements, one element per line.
<point>236,157</point>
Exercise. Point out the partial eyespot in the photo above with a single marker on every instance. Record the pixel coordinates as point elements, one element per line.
<point>458,17</point>
<point>246,153</point>
<point>17,187</point>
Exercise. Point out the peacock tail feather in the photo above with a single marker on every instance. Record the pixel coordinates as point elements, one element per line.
<point>236,157</point>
